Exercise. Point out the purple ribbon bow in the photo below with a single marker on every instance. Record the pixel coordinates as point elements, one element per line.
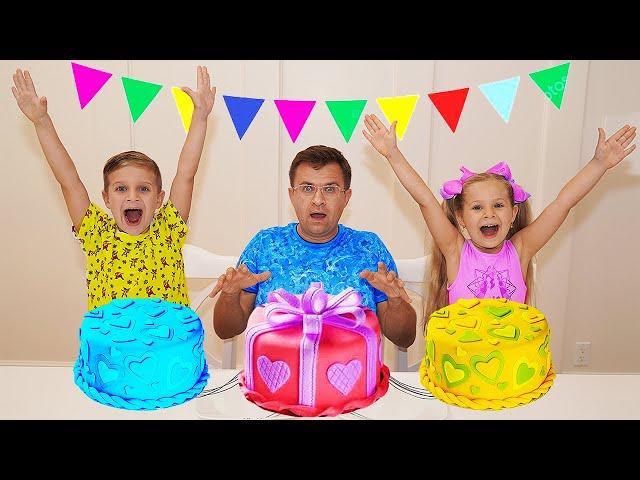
<point>312,309</point>
<point>284,307</point>
<point>454,187</point>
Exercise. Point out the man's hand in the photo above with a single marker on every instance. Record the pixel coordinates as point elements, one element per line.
<point>387,282</point>
<point>235,280</point>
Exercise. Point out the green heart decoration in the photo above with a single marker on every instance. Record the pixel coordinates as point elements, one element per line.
<point>469,336</point>
<point>542,349</point>
<point>431,350</point>
<point>508,332</point>
<point>499,311</point>
<point>489,367</point>
<point>467,322</point>
<point>442,313</point>
<point>454,373</point>
<point>524,373</point>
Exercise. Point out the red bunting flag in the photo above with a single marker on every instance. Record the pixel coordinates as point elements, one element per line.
<point>450,105</point>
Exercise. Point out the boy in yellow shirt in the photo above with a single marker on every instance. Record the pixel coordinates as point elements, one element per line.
<point>136,252</point>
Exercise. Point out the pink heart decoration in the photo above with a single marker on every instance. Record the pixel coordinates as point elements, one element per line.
<point>343,377</point>
<point>274,374</point>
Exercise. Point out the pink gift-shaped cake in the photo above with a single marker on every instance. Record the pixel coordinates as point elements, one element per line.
<point>313,354</point>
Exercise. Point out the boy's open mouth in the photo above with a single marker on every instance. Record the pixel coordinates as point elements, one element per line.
<point>133,216</point>
<point>489,230</point>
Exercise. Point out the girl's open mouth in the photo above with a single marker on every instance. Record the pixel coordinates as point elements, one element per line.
<point>489,231</point>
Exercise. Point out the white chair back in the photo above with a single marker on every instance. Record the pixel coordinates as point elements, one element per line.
<point>412,271</point>
<point>201,263</point>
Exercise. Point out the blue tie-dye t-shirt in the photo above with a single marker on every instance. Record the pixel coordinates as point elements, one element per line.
<point>294,263</point>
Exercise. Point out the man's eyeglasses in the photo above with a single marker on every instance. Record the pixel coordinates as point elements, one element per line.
<point>329,191</point>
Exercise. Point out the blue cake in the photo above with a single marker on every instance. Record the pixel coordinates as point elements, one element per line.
<point>141,354</point>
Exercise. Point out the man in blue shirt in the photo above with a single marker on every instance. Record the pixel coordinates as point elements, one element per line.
<point>316,249</point>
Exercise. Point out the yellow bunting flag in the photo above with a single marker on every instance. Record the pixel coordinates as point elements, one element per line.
<point>400,109</point>
<point>185,107</point>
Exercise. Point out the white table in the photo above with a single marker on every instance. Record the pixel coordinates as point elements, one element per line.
<point>49,393</point>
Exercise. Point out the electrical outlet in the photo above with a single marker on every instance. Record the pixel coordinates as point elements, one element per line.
<point>583,354</point>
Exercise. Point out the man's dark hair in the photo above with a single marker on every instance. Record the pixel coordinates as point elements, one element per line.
<point>319,156</point>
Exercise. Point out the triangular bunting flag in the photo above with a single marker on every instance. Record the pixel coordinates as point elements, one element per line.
<point>294,114</point>
<point>346,114</point>
<point>450,105</point>
<point>552,81</point>
<point>89,81</point>
<point>501,95</point>
<point>242,111</point>
<point>400,109</point>
<point>185,106</point>
<point>139,95</point>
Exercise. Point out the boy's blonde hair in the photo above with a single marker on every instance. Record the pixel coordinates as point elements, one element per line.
<point>130,158</point>
<point>438,296</point>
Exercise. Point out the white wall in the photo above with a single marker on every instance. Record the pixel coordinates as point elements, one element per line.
<point>605,264</point>
<point>241,185</point>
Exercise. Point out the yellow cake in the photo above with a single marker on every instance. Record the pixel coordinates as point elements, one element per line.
<point>487,354</point>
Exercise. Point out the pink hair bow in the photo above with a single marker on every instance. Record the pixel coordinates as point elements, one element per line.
<point>454,187</point>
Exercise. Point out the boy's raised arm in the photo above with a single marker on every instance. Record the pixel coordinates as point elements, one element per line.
<point>35,109</point>
<point>182,187</point>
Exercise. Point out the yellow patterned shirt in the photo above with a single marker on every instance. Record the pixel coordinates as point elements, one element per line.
<point>120,265</point>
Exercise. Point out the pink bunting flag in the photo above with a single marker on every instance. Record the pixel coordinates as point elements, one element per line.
<point>294,114</point>
<point>89,81</point>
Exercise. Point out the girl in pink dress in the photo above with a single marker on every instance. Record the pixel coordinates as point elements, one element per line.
<point>495,260</point>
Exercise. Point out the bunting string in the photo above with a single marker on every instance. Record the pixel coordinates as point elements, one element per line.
<point>346,114</point>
